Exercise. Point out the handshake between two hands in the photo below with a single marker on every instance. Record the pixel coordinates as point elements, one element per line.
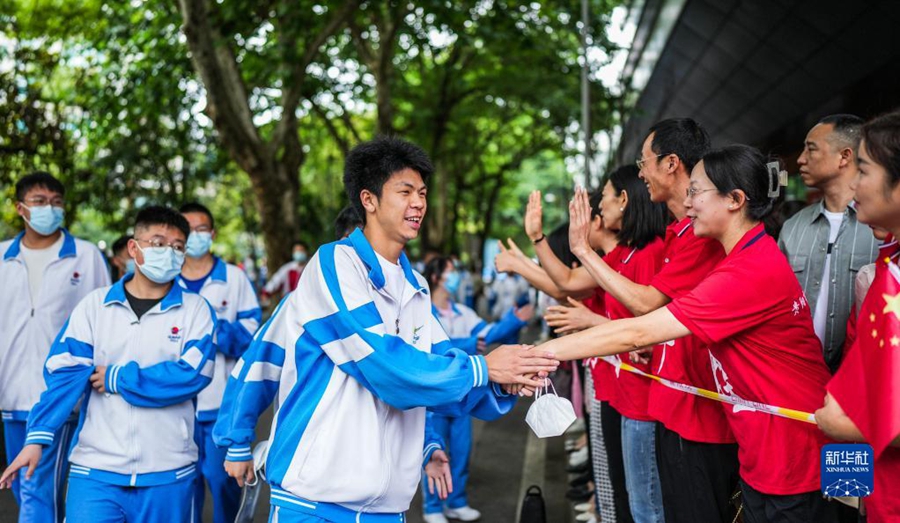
<point>521,369</point>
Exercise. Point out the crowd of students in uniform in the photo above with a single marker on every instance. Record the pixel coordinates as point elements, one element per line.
<point>114,395</point>
<point>140,393</point>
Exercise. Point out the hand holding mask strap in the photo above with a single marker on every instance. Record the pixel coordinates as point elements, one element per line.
<point>549,415</point>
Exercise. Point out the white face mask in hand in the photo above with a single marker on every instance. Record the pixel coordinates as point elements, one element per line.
<point>549,415</point>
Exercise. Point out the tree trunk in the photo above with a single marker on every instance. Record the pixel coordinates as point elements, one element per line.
<point>436,218</point>
<point>489,210</point>
<point>273,165</point>
<point>385,124</point>
<point>277,191</point>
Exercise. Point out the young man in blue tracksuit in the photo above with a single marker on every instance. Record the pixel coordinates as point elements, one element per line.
<point>353,354</point>
<point>44,273</point>
<point>231,295</point>
<point>135,354</point>
<point>467,331</point>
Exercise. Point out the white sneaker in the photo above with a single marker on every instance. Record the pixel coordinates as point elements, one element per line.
<point>579,456</point>
<point>584,507</point>
<point>466,513</point>
<point>586,517</point>
<point>436,517</point>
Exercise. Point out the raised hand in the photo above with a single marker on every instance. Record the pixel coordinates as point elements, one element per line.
<point>505,261</point>
<point>518,364</point>
<point>438,473</point>
<point>514,249</point>
<point>242,471</point>
<point>579,222</point>
<point>534,227</point>
<point>28,457</point>
<point>572,318</point>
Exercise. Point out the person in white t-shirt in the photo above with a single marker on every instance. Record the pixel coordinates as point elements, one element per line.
<point>825,243</point>
<point>44,273</point>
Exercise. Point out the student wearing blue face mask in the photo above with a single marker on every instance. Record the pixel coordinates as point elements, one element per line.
<point>287,277</point>
<point>44,273</point>
<point>135,355</point>
<point>229,291</point>
<point>467,331</point>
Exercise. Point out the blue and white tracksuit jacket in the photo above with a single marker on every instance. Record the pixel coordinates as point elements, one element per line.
<point>230,293</point>
<point>140,432</point>
<point>352,368</point>
<point>28,324</point>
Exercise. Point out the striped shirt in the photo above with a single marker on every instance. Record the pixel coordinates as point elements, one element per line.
<point>804,240</point>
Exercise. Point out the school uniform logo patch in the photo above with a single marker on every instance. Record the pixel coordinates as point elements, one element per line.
<point>75,279</point>
<point>222,308</point>
<point>175,334</point>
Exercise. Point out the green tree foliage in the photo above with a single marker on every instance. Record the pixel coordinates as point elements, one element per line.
<point>251,106</point>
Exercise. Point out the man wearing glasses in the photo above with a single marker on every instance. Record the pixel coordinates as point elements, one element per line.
<point>44,273</point>
<point>229,292</point>
<point>136,354</point>
<point>695,449</point>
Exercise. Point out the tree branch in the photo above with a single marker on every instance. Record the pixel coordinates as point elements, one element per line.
<point>227,101</point>
<point>332,130</point>
<point>293,92</point>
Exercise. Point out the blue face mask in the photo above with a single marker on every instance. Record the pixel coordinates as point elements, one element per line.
<point>198,244</point>
<point>46,220</point>
<point>299,256</point>
<point>129,265</point>
<point>161,264</point>
<point>451,282</point>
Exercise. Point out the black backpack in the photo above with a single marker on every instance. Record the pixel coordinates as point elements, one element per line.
<point>533,510</point>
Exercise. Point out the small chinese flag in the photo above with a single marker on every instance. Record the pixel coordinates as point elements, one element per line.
<point>867,386</point>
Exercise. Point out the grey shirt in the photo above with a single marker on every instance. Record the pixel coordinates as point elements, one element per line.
<point>804,240</point>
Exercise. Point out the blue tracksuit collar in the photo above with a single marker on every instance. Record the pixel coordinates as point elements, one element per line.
<point>67,249</point>
<point>116,294</point>
<point>219,271</point>
<point>366,253</point>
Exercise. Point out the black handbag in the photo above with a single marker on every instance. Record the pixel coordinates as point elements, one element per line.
<point>533,509</point>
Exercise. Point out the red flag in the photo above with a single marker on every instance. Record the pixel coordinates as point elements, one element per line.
<point>867,386</point>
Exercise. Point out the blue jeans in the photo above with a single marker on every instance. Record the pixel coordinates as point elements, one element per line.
<point>641,473</point>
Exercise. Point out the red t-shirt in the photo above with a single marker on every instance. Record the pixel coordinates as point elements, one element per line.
<point>639,266</point>
<point>601,372</point>
<point>687,260</point>
<point>867,386</point>
<point>753,314</point>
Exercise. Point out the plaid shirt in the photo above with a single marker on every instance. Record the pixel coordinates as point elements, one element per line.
<point>804,240</point>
